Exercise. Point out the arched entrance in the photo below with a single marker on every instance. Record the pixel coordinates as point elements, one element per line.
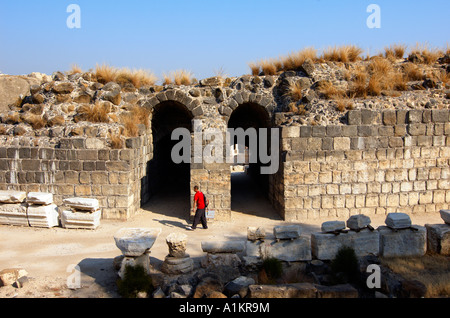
<point>166,179</point>
<point>250,189</point>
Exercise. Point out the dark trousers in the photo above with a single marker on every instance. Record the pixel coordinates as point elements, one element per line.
<point>200,216</point>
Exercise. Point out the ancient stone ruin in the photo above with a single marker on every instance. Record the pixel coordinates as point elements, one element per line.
<point>75,136</point>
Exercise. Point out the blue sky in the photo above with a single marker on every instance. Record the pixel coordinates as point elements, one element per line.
<point>203,36</point>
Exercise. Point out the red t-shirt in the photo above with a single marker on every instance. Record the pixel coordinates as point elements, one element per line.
<point>200,200</point>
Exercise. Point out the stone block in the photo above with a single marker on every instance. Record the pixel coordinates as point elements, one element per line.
<point>295,250</point>
<point>177,265</point>
<point>287,232</point>
<point>402,243</point>
<point>13,214</point>
<point>354,117</point>
<point>358,222</point>
<point>398,221</point>
<point>256,233</point>
<point>445,215</point>
<point>136,241</point>
<point>12,197</point>
<point>177,244</point>
<point>81,220</point>
<point>438,238</point>
<point>82,204</point>
<point>223,247</point>
<point>332,226</point>
<point>325,246</point>
<point>12,275</point>
<point>298,290</point>
<point>45,216</point>
<point>40,198</point>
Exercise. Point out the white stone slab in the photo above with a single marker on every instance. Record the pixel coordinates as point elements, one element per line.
<point>287,232</point>
<point>136,241</point>
<point>357,222</point>
<point>45,216</point>
<point>40,198</point>
<point>83,204</point>
<point>13,214</point>
<point>81,220</point>
<point>398,221</point>
<point>403,243</point>
<point>223,247</point>
<point>445,215</point>
<point>332,226</point>
<point>11,196</point>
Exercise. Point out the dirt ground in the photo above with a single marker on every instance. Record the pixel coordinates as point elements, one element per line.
<point>48,255</point>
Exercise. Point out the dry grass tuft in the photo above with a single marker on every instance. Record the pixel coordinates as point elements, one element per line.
<point>116,140</point>
<point>343,104</point>
<point>105,74</point>
<point>295,91</point>
<point>432,270</point>
<point>344,54</point>
<point>97,113</point>
<point>329,91</point>
<point>412,72</point>
<point>75,69</point>
<point>395,52</point>
<point>134,117</point>
<point>179,77</point>
<point>429,56</point>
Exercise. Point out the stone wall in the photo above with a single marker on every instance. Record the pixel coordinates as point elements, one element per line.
<point>381,162</point>
<point>81,167</point>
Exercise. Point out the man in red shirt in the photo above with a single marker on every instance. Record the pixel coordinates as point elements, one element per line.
<point>200,213</point>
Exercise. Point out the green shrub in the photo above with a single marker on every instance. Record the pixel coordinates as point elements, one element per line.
<point>273,268</point>
<point>135,280</point>
<point>345,263</point>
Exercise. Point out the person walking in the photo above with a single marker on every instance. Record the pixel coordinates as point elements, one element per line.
<point>200,204</point>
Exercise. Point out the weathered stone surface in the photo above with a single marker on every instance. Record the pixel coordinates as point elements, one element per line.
<point>177,265</point>
<point>438,238</point>
<point>223,247</point>
<point>332,226</point>
<point>256,233</point>
<point>325,246</point>
<point>81,220</point>
<point>445,215</point>
<point>142,260</point>
<point>82,204</point>
<point>398,220</point>
<point>177,244</point>
<point>357,222</point>
<point>402,243</point>
<point>11,275</point>
<point>43,215</point>
<point>40,198</point>
<point>220,260</point>
<point>12,196</point>
<point>295,250</point>
<point>13,214</point>
<point>136,241</point>
<point>337,291</point>
<point>239,286</point>
<point>300,290</point>
<point>14,87</point>
<point>287,232</point>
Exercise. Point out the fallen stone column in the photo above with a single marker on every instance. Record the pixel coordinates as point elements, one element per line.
<point>13,210</point>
